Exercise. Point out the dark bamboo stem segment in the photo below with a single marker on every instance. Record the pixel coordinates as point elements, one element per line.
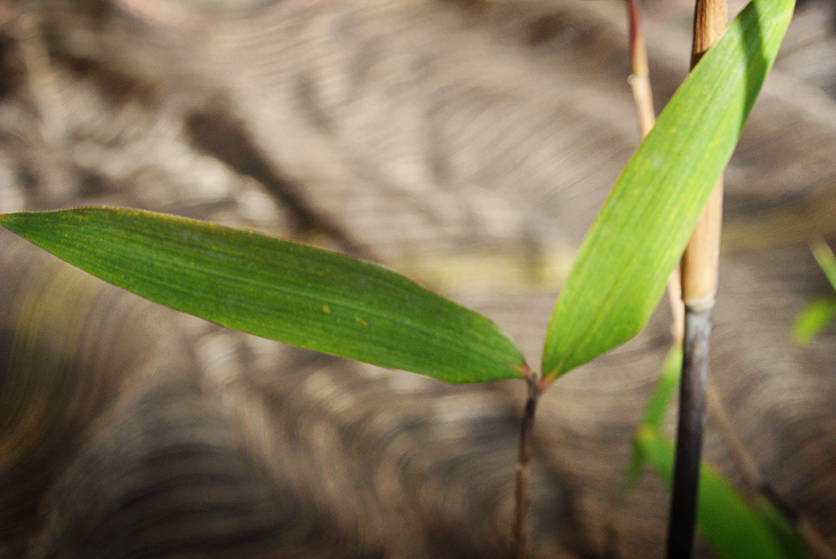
<point>523,457</point>
<point>681,530</point>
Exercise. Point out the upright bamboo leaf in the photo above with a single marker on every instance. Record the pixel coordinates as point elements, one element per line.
<point>276,289</point>
<point>641,231</point>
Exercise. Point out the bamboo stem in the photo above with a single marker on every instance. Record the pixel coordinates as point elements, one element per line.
<point>640,79</point>
<point>523,457</point>
<point>701,260</point>
<point>682,523</point>
<point>699,269</point>
<point>710,21</point>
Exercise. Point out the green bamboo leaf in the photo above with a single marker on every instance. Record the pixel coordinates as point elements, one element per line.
<point>654,413</point>
<point>642,230</point>
<point>279,290</point>
<point>827,260</point>
<point>817,315</point>
<point>781,529</point>
<point>735,529</point>
<point>814,318</point>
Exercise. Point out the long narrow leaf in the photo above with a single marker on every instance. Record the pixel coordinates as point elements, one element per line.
<point>641,231</point>
<point>725,520</point>
<point>276,289</point>
<point>654,413</point>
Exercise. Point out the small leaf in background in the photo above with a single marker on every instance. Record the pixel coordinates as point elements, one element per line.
<point>827,260</point>
<point>641,231</point>
<point>814,318</point>
<point>725,521</point>
<point>654,414</point>
<point>279,290</point>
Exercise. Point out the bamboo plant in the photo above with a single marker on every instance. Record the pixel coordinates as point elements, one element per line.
<point>342,306</point>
